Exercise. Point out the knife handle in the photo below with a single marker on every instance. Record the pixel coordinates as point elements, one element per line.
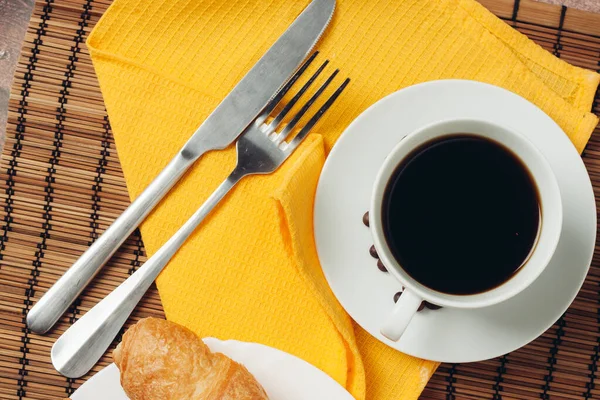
<point>44,314</point>
<point>80,347</point>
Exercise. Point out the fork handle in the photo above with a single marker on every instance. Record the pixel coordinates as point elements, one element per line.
<point>82,345</point>
<point>59,297</point>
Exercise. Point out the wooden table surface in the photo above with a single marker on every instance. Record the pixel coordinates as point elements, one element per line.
<point>14,17</point>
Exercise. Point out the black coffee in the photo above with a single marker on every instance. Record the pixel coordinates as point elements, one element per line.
<point>461,214</point>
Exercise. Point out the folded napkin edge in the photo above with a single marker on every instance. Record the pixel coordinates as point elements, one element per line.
<point>584,131</point>
<point>586,80</point>
<point>99,53</point>
<point>315,146</point>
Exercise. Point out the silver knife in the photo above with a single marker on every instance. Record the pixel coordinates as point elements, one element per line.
<point>241,106</point>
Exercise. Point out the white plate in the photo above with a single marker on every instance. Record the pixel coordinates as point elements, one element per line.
<point>343,195</point>
<point>283,376</point>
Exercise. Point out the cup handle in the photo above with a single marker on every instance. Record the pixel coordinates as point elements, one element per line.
<point>401,315</point>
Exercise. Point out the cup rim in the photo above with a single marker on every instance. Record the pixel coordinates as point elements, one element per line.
<point>477,300</point>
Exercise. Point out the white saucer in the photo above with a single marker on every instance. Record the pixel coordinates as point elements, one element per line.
<point>282,375</point>
<point>343,195</point>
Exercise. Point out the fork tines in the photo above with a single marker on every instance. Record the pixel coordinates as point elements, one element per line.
<point>270,128</point>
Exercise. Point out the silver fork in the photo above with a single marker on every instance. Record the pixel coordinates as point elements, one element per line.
<point>260,150</point>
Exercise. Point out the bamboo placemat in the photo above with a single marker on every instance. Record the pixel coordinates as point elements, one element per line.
<point>63,185</point>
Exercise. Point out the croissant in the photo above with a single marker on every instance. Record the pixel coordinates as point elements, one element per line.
<point>160,360</point>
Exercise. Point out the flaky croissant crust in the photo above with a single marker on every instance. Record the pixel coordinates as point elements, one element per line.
<point>161,360</point>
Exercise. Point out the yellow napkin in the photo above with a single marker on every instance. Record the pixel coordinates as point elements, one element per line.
<point>251,271</point>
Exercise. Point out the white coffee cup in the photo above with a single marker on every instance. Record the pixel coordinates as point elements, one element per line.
<point>547,239</point>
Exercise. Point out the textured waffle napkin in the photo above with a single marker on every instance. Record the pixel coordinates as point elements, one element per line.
<point>251,271</point>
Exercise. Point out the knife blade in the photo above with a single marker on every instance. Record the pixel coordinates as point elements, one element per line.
<point>239,108</point>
